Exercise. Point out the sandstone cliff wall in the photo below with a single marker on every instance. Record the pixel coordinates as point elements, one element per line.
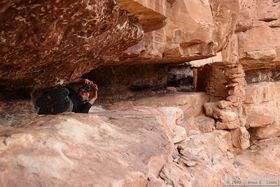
<point>258,33</point>
<point>67,40</point>
<point>181,139</point>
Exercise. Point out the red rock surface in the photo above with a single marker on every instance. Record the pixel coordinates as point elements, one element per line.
<point>67,40</point>
<point>127,147</point>
<point>258,40</point>
<point>45,43</point>
<point>156,141</point>
<point>38,39</point>
<point>116,148</point>
<point>208,160</point>
<point>188,33</point>
<point>262,109</point>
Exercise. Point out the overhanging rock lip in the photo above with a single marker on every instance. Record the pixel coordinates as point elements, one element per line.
<point>149,19</point>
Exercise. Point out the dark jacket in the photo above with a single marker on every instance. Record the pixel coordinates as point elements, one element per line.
<point>78,105</point>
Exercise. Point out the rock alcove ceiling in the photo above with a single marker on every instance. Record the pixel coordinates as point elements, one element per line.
<point>188,90</point>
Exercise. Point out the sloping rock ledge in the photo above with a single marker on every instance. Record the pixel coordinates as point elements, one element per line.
<point>130,146</point>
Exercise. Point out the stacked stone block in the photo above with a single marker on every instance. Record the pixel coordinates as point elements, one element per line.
<point>227,85</point>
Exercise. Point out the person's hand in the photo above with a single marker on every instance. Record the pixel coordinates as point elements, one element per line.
<point>94,92</point>
<point>89,82</point>
<point>94,88</point>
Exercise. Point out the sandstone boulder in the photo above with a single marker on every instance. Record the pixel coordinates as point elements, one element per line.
<point>223,115</point>
<point>266,132</point>
<point>180,134</point>
<point>240,138</point>
<point>204,124</point>
<point>259,115</point>
<point>116,148</point>
<point>174,116</point>
<point>227,125</point>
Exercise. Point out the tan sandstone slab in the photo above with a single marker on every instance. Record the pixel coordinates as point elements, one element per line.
<point>116,148</point>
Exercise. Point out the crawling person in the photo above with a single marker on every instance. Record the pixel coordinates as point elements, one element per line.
<point>66,99</point>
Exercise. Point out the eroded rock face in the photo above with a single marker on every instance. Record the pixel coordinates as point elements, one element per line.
<point>258,40</point>
<point>130,146</point>
<point>225,14</point>
<point>44,43</point>
<point>151,14</point>
<point>188,33</point>
<point>47,43</point>
<point>262,108</point>
<point>119,148</point>
<point>67,40</point>
<point>193,30</point>
<point>210,156</point>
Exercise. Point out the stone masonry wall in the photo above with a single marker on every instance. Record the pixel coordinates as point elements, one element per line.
<point>227,85</point>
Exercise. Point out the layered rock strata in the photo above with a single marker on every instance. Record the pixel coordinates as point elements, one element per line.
<point>257,31</point>
<point>193,30</point>
<point>262,109</point>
